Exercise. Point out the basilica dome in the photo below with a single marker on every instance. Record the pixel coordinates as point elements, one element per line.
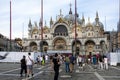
<point>100,24</point>
<point>97,22</point>
<point>71,18</point>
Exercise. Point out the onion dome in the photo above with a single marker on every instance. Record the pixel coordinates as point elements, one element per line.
<point>89,23</point>
<point>97,22</point>
<point>71,17</point>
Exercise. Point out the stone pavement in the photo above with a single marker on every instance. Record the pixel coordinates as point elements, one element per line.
<point>10,71</point>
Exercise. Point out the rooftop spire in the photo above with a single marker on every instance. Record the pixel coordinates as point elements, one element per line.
<point>97,17</point>
<point>83,20</point>
<point>60,12</point>
<point>83,16</point>
<point>30,24</point>
<point>51,21</point>
<point>88,19</point>
<point>97,14</point>
<point>70,12</point>
<point>45,23</point>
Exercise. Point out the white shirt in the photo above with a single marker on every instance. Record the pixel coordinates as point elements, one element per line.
<point>41,58</point>
<point>29,62</point>
<point>46,57</point>
<point>79,59</point>
<point>105,60</point>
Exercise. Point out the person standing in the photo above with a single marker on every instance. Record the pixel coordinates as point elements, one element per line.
<point>100,62</point>
<point>38,60</point>
<point>94,60</point>
<point>23,66</point>
<point>29,65</point>
<point>46,58</point>
<point>105,63</point>
<point>41,59</point>
<point>79,60</point>
<point>56,65</point>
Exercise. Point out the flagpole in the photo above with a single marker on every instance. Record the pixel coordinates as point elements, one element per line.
<point>41,25</point>
<point>10,27</point>
<point>42,20</point>
<point>75,27</point>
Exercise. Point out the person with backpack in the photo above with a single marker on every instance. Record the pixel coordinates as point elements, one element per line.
<point>72,62</point>
<point>56,65</point>
<point>23,66</point>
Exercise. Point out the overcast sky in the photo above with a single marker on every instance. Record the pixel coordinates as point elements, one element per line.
<point>23,10</point>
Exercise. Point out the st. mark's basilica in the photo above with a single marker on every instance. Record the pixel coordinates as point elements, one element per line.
<point>60,35</point>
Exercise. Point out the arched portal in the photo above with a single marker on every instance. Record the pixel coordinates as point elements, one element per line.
<point>59,44</point>
<point>89,47</point>
<point>76,47</point>
<point>43,46</point>
<point>33,46</point>
<point>103,47</point>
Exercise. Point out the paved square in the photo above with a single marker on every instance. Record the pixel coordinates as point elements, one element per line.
<point>10,71</point>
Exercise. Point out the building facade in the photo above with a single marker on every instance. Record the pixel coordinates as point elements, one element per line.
<point>5,44</point>
<point>60,36</point>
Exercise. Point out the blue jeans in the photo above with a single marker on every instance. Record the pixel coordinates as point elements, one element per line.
<point>67,67</point>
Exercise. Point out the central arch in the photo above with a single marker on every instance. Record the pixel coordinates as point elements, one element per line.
<point>59,44</point>
<point>89,47</point>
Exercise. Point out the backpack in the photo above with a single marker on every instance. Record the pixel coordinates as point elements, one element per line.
<point>67,59</point>
<point>72,59</point>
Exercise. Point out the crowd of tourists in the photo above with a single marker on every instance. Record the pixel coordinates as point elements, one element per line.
<point>27,64</point>
<point>101,61</point>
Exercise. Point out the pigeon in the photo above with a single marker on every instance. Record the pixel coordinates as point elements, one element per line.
<point>4,56</point>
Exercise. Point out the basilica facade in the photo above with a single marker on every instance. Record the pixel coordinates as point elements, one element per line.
<point>59,36</point>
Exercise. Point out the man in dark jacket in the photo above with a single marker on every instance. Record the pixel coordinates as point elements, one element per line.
<point>56,65</point>
<point>23,66</point>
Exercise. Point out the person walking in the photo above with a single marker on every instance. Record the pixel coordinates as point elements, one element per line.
<point>29,63</point>
<point>23,66</point>
<point>67,62</point>
<point>72,62</point>
<point>56,65</point>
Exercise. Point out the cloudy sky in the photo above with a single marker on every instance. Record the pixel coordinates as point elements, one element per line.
<point>23,10</point>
